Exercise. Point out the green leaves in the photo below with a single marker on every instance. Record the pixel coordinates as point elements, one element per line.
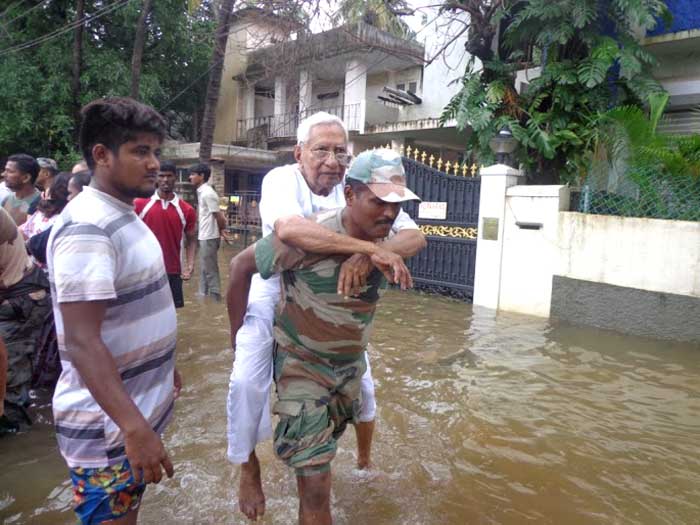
<point>495,91</point>
<point>592,72</point>
<point>36,83</point>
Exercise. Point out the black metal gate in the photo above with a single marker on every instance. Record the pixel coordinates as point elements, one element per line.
<point>447,264</point>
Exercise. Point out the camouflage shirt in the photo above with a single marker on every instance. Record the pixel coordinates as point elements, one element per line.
<point>312,316</point>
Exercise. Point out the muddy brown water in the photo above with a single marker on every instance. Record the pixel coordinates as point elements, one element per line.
<point>482,419</point>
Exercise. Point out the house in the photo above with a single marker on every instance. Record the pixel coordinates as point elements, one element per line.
<point>275,75</point>
<point>677,49</point>
<point>384,87</point>
<point>376,82</point>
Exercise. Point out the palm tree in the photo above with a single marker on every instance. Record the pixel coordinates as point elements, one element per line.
<point>139,42</point>
<point>214,85</point>
<point>383,14</point>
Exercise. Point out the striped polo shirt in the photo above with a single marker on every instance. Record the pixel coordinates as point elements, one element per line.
<point>99,250</point>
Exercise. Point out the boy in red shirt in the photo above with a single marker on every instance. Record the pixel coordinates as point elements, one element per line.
<point>168,217</point>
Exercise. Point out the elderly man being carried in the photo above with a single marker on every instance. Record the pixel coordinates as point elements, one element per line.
<point>321,334</point>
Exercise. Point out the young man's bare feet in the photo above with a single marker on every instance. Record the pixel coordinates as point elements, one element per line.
<point>251,499</point>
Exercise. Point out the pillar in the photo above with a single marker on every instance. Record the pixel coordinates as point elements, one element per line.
<point>305,89</point>
<point>278,121</point>
<point>217,179</point>
<point>495,180</point>
<point>355,95</point>
<point>250,102</point>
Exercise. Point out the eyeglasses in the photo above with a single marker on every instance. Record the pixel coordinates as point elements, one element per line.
<point>322,155</point>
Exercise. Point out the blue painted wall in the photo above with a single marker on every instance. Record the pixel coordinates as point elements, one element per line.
<point>686,16</point>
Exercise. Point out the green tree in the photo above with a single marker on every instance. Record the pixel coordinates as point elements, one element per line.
<point>383,14</point>
<point>589,59</point>
<point>48,69</point>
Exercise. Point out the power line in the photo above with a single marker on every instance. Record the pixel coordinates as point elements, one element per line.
<point>40,4</point>
<point>65,29</point>
<point>12,6</point>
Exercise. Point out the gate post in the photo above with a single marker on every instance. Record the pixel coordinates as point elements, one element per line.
<point>495,180</point>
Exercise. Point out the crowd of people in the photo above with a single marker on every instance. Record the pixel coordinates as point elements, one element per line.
<point>33,193</point>
<point>93,265</point>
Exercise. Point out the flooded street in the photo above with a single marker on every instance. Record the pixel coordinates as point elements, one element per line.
<point>482,419</point>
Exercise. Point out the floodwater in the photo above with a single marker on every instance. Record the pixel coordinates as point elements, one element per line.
<point>482,419</point>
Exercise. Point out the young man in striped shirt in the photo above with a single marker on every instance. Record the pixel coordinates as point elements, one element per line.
<point>115,319</point>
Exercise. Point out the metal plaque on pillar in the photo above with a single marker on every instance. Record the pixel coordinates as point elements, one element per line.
<point>489,228</point>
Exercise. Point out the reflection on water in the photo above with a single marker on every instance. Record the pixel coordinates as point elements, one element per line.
<point>481,419</point>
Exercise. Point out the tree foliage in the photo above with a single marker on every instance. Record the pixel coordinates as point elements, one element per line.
<point>36,106</point>
<point>589,59</point>
<point>383,14</point>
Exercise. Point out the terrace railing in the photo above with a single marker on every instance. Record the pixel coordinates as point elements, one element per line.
<point>286,124</point>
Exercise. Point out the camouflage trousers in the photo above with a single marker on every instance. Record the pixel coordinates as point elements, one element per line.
<point>22,317</point>
<point>317,398</point>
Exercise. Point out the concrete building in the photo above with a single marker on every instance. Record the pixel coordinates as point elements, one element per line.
<point>375,81</point>
<point>385,88</point>
<point>677,49</point>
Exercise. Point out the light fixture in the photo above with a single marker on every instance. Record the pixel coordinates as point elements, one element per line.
<point>502,145</point>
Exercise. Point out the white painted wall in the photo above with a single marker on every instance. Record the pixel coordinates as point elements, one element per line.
<point>378,112</point>
<point>647,254</point>
<point>437,83</point>
<point>326,86</point>
<point>530,257</point>
<point>495,181</point>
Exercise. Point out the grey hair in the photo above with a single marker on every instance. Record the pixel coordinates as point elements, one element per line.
<point>304,129</point>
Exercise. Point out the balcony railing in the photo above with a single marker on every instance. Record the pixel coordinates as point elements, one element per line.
<point>285,125</point>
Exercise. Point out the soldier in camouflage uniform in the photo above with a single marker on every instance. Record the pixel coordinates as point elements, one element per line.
<point>321,335</point>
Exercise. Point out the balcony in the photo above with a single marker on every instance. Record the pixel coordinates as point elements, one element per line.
<point>285,126</point>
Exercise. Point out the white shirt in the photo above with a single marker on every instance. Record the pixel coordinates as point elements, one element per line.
<point>285,192</point>
<point>207,205</point>
<point>4,192</point>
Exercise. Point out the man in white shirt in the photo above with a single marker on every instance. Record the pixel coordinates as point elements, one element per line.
<point>289,193</point>
<point>212,225</point>
<point>4,192</point>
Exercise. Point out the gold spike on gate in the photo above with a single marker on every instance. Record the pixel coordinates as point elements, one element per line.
<point>439,164</point>
<point>415,154</point>
<point>401,150</point>
<point>465,169</point>
<point>431,160</point>
<point>474,169</point>
<point>408,151</point>
<point>423,156</point>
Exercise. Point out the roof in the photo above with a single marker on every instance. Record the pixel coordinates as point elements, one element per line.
<point>357,39</point>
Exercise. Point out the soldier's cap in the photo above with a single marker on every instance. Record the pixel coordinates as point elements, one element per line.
<point>382,171</point>
<point>45,162</point>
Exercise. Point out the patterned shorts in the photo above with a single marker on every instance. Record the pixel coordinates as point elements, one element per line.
<point>317,398</point>
<point>103,494</point>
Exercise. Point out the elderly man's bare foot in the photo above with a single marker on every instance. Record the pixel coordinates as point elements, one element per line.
<point>251,499</point>
<point>364,464</point>
<point>364,432</point>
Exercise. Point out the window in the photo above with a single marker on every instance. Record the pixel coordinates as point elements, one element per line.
<point>412,86</point>
<point>401,86</point>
